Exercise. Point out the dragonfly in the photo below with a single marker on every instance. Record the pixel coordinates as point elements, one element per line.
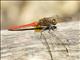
<point>43,24</point>
<point>46,23</point>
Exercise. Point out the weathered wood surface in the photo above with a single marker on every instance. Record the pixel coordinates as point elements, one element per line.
<point>26,45</point>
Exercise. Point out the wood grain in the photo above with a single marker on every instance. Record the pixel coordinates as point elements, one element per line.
<point>27,45</point>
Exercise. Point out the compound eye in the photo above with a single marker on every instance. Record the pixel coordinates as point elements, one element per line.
<point>54,22</point>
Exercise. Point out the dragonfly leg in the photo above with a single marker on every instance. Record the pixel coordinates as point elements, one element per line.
<point>54,35</point>
<point>45,28</point>
<point>53,28</point>
<point>47,46</point>
<point>52,40</point>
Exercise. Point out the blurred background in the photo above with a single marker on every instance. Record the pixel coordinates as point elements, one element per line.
<point>23,12</point>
